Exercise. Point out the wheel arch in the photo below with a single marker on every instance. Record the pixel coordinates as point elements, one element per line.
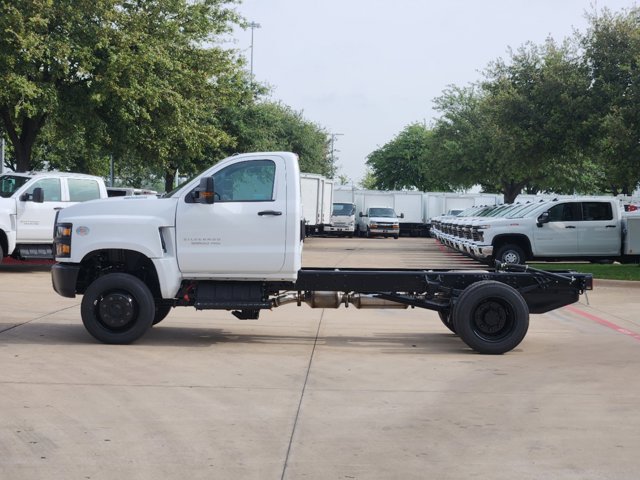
<point>4,244</point>
<point>100,262</point>
<point>518,239</point>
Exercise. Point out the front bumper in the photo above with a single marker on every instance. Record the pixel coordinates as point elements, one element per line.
<point>339,229</point>
<point>482,251</point>
<point>64,277</point>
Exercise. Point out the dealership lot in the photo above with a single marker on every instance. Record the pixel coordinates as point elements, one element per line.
<point>319,394</point>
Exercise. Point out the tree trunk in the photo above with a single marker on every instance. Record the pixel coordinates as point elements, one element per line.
<point>169,178</point>
<point>24,141</point>
<point>511,190</point>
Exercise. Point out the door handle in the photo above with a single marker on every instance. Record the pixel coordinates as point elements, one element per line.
<point>269,212</point>
<point>569,226</point>
<point>610,226</point>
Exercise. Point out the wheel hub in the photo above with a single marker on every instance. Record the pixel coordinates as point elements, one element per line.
<point>511,257</point>
<point>491,318</point>
<point>116,309</point>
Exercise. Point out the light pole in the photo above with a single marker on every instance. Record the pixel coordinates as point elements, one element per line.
<point>2,155</point>
<point>333,140</point>
<point>253,26</point>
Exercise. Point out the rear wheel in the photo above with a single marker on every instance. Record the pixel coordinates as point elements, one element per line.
<point>117,308</point>
<point>445,317</point>
<point>491,317</point>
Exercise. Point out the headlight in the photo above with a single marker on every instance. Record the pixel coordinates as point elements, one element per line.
<point>62,239</point>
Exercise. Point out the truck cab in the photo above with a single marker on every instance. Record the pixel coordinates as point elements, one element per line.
<point>343,219</point>
<point>379,222</point>
<point>28,206</point>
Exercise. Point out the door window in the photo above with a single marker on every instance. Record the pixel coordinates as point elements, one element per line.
<point>50,187</point>
<point>83,189</point>
<point>564,212</point>
<point>597,211</point>
<point>245,182</point>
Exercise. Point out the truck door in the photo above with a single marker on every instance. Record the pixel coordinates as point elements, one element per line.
<point>35,220</point>
<point>599,233</point>
<point>243,231</point>
<point>560,235</point>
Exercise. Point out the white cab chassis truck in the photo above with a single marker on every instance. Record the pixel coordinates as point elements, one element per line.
<point>231,239</point>
<point>28,206</point>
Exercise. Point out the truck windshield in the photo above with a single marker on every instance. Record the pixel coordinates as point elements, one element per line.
<point>343,209</point>
<point>9,184</point>
<point>382,212</point>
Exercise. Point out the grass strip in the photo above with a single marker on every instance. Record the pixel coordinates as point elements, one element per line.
<point>604,272</point>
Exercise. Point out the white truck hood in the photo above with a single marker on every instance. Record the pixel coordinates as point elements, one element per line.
<point>128,223</point>
<point>148,209</point>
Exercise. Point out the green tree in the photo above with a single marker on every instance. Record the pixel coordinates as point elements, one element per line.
<point>136,77</point>
<point>524,126</point>
<point>273,126</point>
<point>612,51</point>
<point>406,162</point>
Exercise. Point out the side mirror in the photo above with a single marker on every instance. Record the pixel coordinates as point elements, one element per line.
<point>542,219</point>
<point>402,215</point>
<point>360,215</point>
<point>204,193</point>
<point>37,196</point>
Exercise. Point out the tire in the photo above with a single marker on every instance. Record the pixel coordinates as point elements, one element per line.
<point>445,317</point>
<point>117,308</point>
<point>395,237</point>
<point>368,233</point>
<point>511,253</point>
<point>491,317</point>
<point>161,312</point>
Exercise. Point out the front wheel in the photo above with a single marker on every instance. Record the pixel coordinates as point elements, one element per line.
<point>117,308</point>
<point>161,313</point>
<point>511,254</point>
<point>491,317</point>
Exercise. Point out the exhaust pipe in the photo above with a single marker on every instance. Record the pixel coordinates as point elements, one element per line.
<point>335,299</point>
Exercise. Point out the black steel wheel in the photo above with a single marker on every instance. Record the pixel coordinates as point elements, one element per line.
<point>511,254</point>
<point>445,317</point>
<point>117,308</point>
<point>491,317</point>
<point>161,313</point>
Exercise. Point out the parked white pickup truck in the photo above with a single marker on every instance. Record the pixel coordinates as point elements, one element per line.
<point>28,206</point>
<point>231,239</point>
<point>579,229</point>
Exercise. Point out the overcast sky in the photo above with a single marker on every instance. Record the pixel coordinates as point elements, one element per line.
<point>368,68</point>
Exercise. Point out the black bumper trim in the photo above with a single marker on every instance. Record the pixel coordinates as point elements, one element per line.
<point>64,277</point>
